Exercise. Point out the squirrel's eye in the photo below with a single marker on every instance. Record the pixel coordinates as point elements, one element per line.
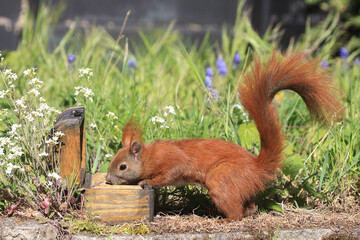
<point>122,167</point>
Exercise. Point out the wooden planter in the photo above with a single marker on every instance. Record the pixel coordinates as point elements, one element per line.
<point>118,203</point>
<point>112,203</point>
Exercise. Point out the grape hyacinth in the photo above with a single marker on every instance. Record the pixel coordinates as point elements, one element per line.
<point>343,53</point>
<point>214,95</point>
<point>324,64</point>
<point>132,63</point>
<point>208,83</point>
<point>221,65</point>
<point>209,72</point>
<point>357,61</point>
<point>71,58</point>
<point>236,59</point>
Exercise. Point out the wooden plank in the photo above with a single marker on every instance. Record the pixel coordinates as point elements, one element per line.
<point>118,203</point>
<point>72,151</point>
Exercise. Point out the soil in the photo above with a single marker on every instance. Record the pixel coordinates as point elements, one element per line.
<point>344,223</point>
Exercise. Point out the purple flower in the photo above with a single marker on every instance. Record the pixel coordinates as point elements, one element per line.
<point>221,66</point>
<point>131,63</point>
<point>237,59</point>
<point>219,61</point>
<point>209,72</point>
<point>208,82</point>
<point>71,58</point>
<point>222,69</point>
<point>343,53</point>
<point>214,95</point>
<point>357,61</point>
<point>324,64</point>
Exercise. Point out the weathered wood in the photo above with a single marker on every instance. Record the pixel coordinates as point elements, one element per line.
<point>72,151</point>
<point>118,203</point>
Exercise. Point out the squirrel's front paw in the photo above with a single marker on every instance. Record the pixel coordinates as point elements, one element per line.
<point>144,184</point>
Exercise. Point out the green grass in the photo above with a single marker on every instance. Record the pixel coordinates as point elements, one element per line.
<point>322,162</point>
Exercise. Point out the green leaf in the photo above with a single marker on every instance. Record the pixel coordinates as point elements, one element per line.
<point>310,189</point>
<point>248,134</point>
<point>271,204</point>
<point>323,171</point>
<point>51,214</point>
<point>292,166</point>
<point>33,187</point>
<point>42,180</point>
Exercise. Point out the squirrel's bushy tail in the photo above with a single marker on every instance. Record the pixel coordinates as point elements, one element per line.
<point>293,72</point>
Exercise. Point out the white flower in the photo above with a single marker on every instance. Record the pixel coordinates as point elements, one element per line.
<point>17,151</point>
<point>111,115</point>
<point>2,151</point>
<point>13,76</point>
<point>30,72</point>
<point>54,175</point>
<point>15,126</point>
<point>108,155</point>
<point>5,141</point>
<point>42,100</point>
<point>164,126</point>
<point>50,183</point>
<point>86,92</point>
<point>87,72</point>
<point>3,93</point>
<point>34,91</point>
<point>10,75</point>
<point>93,125</point>
<point>53,140</point>
<point>10,168</point>
<point>238,106</point>
<point>157,119</point>
<point>14,129</point>
<point>43,154</point>
<point>44,108</point>
<point>59,134</point>
<point>4,112</point>
<point>37,114</point>
<point>169,109</point>
<point>7,72</point>
<point>30,117</point>
<point>21,103</point>
<point>1,164</point>
<point>35,82</point>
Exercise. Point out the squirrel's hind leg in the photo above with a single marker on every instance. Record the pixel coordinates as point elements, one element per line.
<point>229,192</point>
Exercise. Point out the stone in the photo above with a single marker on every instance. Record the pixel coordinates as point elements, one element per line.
<point>305,234</point>
<point>24,230</point>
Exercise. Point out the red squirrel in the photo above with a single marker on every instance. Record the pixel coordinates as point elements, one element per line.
<point>232,175</point>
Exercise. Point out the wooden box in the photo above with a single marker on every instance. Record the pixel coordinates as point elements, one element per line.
<point>112,203</point>
<point>117,203</point>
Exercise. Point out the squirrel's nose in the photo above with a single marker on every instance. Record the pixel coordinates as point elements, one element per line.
<point>108,179</point>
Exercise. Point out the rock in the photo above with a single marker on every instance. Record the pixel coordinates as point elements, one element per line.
<point>212,236</point>
<point>23,230</point>
<point>306,234</point>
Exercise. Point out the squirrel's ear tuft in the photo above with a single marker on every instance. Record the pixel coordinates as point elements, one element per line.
<point>136,149</point>
<point>132,132</point>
